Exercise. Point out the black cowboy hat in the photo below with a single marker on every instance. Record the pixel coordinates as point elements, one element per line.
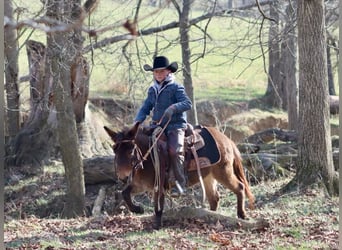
<point>161,62</point>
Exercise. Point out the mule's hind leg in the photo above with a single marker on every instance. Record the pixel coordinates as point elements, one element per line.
<point>211,192</point>
<point>230,181</point>
<point>239,189</point>
<point>127,196</point>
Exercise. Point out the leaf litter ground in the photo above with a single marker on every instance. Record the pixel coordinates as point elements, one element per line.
<point>297,221</point>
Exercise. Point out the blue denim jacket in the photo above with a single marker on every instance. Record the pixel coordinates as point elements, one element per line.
<point>159,100</point>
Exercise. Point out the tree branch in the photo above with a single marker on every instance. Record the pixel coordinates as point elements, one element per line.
<point>172,25</point>
<point>47,25</point>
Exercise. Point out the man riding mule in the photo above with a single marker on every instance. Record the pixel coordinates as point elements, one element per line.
<point>169,103</point>
<point>132,148</point>
<point>215,160</point>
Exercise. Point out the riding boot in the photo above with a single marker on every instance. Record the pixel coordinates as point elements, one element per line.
<point>178,170</point>
<point>175,141</point>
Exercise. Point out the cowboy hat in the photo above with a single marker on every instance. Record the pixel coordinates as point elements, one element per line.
<point>161,62</point>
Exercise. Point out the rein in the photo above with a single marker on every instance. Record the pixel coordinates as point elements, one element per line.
<point>156,138</point>
<point>142,157</point>
<point>157,181</point>
<point>155,158</point>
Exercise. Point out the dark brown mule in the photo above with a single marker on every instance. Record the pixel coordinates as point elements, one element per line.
<point>131,144</point>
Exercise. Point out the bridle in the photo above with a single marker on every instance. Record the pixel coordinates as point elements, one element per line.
<point>137,157</point>
<point>137,153</point>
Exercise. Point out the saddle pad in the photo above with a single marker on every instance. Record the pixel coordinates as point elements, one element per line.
<point>208,154</point>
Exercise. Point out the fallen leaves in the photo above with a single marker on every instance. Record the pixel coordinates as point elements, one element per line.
<point>220,238</point>
<point>296,221</point>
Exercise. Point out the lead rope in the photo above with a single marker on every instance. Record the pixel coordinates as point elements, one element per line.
<point>157,138</point>
<point>156,161</point>
<point>194,152</point>
<point>157,132</point>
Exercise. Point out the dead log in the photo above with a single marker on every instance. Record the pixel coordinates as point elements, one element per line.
<point>184,213</point>
<point>99,202</point>
<point>334,102</point>
<point>248,148</point>
<point>263,166</point>
<point>282,159</point>
<point>272,148</point>
<point>99,170</point>
<point>271,134</point>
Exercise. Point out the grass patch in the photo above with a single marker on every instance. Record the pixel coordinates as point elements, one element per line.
<point>40,194</point>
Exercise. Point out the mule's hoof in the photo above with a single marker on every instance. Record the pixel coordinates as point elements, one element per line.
<point>176,193</point>
<point>242,216</point>
<point>138,210</point>
<point>156,225</point>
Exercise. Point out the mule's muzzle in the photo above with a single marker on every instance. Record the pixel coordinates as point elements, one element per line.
<point>123,173</point>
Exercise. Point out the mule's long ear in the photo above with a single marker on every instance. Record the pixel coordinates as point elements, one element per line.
<point>133,131</point>
<point>111,133</point>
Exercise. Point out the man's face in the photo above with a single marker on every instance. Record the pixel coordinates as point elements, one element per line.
<point>160,74</point>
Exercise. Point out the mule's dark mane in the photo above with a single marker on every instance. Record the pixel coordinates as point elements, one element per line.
<point>125,135</point>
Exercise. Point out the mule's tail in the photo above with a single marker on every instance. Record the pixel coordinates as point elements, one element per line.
<point>240,174</point>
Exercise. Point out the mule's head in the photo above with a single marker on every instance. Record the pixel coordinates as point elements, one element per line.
<point>123,149</point>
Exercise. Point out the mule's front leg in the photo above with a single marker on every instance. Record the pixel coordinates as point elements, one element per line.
<point>158,209</point>
<point>126,195</point>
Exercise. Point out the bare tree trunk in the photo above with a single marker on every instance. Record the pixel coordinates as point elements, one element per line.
<point>186,57</point>
<point>330,71</point>
<point>229,4</point>
<point>79,86</point>
<point>35,142</point>
<point>62,52</point>
<point>40,84</point>
<point>11,75</point>
<point>315,161</point>
<point>334,102</point>
<point>289,53</point>
<point>273,95</point>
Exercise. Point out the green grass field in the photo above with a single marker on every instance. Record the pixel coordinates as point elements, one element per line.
<point>231,69</point>
<point>221,73</point>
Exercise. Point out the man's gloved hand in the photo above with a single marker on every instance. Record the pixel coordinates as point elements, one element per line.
<point>170,111</point>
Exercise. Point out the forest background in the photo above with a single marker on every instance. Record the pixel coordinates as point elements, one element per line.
<point>233,68</point>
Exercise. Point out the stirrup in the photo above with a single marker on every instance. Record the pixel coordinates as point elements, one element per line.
<point>178,190</point>
<point>179,187</point>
